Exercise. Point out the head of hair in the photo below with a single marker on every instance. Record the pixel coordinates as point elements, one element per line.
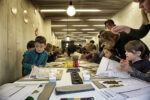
<point>77,48</point>
<point>134,46</point>
<point>48,47</point>
<point>80,45</point>
<point>31,44</point>
<point>72,42</point>
<point>108,36</point>
<point>92,47</point>
<point>135,0</point>
<point>110,22</point>
<point>145,19</point>
<point>100,33</point>
<point>110,49</point>
<point>85,52</point>
<point>138,0</point>
<point>92,41</point>
<point>40,39</point>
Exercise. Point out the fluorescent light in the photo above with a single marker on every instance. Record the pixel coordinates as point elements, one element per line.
<point>69,29</point>
<point>82,34</point>
<point>80,25</point>
<point>88,10</point>
<point>87,29</point>
<point>99,25</point>
<point>53,10</point>
<point>70,20</point>
<point>76,32</point>
<point>63,10</point>
<point>96,19</point>
<point>60,32</point>
<point>59,25</point>
<point>88,36</point>
<point>92,32</point>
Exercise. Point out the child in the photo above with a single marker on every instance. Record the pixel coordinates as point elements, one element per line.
<point>139,66</point>
<point>37,57</point>
<point>77,52</point>
<point>110,53</point>
<point>49,50</point>
<point>30,46</point>
<point>95,56</point>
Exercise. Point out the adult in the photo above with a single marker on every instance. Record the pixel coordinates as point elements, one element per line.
<point>123,39</point>
<point>145,27</point>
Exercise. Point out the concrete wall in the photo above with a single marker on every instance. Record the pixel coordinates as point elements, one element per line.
<point>15,33</point>
<point>131,16</point>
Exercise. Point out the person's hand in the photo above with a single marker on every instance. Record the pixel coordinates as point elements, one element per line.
<point>117,29</point>
<point>125,65</point>
<point>33,66</point>
<point>103,44</point>
<point>40,66</point>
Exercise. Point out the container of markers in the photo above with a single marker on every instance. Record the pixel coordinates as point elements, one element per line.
<point>75,61</point>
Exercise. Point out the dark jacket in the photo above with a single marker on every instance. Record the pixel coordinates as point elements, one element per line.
<point>140,75</point>
<point>135,34</point>
<point>71,49</point>
<point>34,58</point>
<point>95,58</point>
<point>141,65</point>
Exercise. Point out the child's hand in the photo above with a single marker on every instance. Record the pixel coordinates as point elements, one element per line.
<point>33,66</point>
<point>125,65</point>
<point>124,62</point>
<point>39,66</point>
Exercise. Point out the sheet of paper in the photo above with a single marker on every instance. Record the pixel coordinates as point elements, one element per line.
<point>27,91</point>
<point>128,88</point>
<point>43,72</point>
<point>111,68</point>
<point>103,65</point>
<point>136,93</point>
<point>6,92</point>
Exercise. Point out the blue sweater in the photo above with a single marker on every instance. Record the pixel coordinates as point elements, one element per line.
<point>34,58</point>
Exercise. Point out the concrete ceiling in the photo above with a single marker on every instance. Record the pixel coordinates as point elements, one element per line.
<point>77,29</point>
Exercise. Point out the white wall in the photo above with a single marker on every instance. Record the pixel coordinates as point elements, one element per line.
<point>131,16</point>
<point>15,33</point>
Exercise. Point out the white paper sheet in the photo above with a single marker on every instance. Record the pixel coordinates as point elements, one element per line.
<point>108,67</point>
<point>15,91</point>
<point>137,93</point>
<point>43,72</point>
<point>129,88</point>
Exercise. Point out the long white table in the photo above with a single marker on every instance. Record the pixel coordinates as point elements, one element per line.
<point>30,86</point>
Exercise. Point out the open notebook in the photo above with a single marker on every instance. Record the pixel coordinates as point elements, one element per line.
<point>111,68</point>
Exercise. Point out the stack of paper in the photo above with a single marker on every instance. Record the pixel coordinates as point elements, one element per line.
<point>108,67</point>
<point>43,72</point>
